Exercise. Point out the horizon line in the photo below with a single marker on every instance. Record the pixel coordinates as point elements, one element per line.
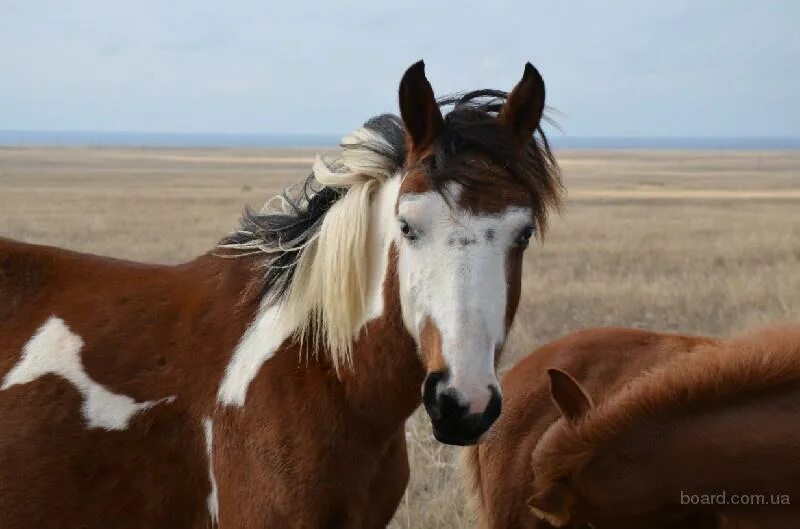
<point>272,133</point>
<point>109,138</point>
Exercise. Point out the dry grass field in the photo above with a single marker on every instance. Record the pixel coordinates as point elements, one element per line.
<point>690,241</point>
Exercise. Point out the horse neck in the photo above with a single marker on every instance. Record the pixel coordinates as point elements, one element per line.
<point>383,386</point>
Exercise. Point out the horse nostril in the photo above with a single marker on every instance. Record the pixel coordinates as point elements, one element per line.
<point>450,408</point>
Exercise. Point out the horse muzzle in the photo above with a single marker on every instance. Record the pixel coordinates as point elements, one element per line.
<point>452,421</point>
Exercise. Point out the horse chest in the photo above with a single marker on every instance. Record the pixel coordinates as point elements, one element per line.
<point>295,456</point>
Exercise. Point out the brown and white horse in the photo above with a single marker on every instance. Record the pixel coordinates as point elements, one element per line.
<point>662,431</point>
<point>266,384</point>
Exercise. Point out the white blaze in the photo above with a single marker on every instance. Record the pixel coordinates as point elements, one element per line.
<point>455,273</point>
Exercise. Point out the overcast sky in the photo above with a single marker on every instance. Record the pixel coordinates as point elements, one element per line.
<point>612,68</point>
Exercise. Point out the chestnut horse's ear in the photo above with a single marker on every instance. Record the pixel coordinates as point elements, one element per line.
<point>523,110</point>
<point>418,108</point>
<point>569,396</point>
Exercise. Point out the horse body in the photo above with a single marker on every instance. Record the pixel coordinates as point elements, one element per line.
<point>266,384</point>
<point>684,432</point>
<point>604,360</point>
<point>174,367</point>
<point>718,425</point>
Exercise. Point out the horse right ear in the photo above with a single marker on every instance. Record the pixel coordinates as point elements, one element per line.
<point>418,108</point>
<point>570,398</point>
<point>525,105</point>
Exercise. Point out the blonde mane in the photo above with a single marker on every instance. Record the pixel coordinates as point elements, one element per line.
<point>329,290</point>
<point>317,245</point>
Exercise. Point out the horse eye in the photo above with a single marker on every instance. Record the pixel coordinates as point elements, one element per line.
<point>406,230</point>
<point>525,236</point>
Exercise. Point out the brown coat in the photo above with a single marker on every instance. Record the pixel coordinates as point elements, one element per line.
<point>706,419</point>
<point>179,327</point>
<point>603,360</point>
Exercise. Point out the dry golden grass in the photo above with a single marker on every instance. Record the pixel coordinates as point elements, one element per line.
<point>690,241</point>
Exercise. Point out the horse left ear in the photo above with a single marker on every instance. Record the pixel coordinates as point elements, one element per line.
<point>523,110</point>
<point>570,398</point>
<point>418,108</point>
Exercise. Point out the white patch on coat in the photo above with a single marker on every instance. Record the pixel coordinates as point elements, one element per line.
<point>213,500</point>
<point>455,273</point>
<point>55,349</point>
<point>258,344</point>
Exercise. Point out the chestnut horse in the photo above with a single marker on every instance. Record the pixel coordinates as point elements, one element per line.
<point>679,432</point>
<point>266,383</point>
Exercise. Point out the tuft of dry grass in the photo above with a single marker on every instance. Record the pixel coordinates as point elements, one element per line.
<point>691,241</point>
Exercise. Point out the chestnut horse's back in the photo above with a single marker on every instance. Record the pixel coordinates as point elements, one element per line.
<point>602,360</point>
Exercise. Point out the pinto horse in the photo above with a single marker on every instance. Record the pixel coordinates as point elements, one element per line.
<point>266,383</point>
<point>679,432</point>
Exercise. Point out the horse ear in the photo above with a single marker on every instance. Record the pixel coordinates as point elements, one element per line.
<point>523,110</point>
<point>570,398</point>
<point>421,115</point>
